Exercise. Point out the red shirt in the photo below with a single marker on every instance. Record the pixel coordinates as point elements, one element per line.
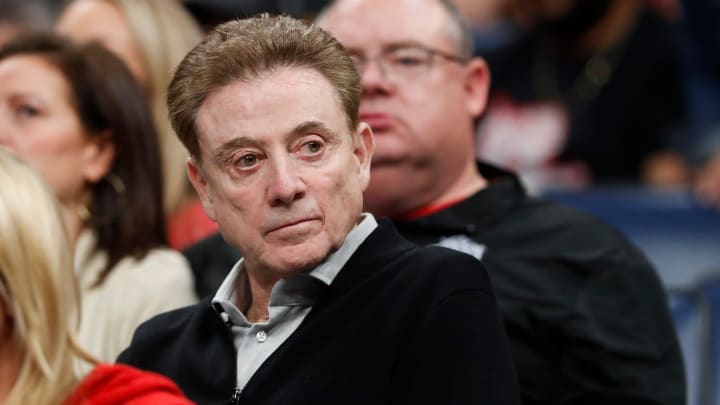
<point>124,385</point>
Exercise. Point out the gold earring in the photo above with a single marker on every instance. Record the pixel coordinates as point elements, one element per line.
<point>116,183</point>
<point>84,212</point>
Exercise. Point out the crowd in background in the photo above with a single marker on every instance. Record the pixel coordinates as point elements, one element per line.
<point>616,92</point>
<point>583,94</point>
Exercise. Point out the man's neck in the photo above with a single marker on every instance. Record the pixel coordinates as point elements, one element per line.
<point>252,294</point>
<point>467,184</point>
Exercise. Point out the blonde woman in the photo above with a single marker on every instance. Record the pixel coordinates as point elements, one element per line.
<point>39,308</point>
<point>151,37</point>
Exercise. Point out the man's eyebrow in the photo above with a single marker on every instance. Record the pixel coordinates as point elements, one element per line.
<point>403,44</point>
<point>223,152</point>
<point>395,45</point>
<point>311,126</point>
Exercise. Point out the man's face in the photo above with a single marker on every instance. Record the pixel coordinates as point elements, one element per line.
<point>422,121</point>
<point>279,169</point>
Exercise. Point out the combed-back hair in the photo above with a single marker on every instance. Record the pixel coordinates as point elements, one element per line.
<point>246,49</point>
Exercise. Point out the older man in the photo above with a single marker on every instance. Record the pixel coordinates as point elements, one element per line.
<point>327,305</point>
<point>585,313</point>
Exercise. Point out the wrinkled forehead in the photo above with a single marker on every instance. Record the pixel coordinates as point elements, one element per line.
<point>272,105</point>
<point>372,25</point>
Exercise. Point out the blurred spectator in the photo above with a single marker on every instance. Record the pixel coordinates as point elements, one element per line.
<point>589,94</point>
<point>77,114</point>
<point>151,37</point>
<point>20,15</point>
<point>38,309</point>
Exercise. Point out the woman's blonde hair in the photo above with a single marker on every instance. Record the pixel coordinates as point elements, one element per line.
<point>40,290</point>
<point>164,32</point>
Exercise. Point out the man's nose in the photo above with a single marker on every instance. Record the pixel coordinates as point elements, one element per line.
<point>286,184</point>
<point>374,78</point>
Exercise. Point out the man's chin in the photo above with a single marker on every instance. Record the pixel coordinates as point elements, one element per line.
<point>300,263</point>
<point>300,256</point>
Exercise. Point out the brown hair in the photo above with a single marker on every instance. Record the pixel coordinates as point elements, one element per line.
<point>126,208</point>
<point>245,49</point>
<point>164,32</point>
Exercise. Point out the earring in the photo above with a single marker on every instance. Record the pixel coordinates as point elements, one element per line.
<point>84,212</point>
<point>118,187</point>
<point>116,183</point>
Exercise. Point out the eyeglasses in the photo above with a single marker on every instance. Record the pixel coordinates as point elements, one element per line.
<point>405,62</point>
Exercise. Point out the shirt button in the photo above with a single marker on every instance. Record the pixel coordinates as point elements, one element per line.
<point>261,336</point>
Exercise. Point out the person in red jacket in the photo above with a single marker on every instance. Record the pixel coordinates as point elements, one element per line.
<point>39,309</point>
<point>121,384</point>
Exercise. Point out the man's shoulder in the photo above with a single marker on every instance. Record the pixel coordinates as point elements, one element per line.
<point>191,346</point>
<point>554,218</point>
<point>393,262</point>
<point>164,331</point>
<point>440,269</point>
<point>563,237</point>
<point>177,318</point>
<point>404,251</point>
<point>533,229</point>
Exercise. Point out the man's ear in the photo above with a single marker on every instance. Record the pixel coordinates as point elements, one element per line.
<point>98,157</point>
<point>199,182</point>
<point>477,85</point>
<point>363,151</point>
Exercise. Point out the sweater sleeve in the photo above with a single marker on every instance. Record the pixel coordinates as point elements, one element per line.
<point>458,355</point>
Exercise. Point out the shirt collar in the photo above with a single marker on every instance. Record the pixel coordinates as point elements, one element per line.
<point>300,289</point>
<point>327,270</point>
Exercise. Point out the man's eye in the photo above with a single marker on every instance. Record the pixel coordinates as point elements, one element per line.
<point>312,147</point>
<point>247,161</point>
<point>408,61</point>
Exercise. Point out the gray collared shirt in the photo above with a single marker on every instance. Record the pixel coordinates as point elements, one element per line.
<point>290,301</point>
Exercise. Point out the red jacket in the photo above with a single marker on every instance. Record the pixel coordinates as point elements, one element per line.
<point>125,385</point>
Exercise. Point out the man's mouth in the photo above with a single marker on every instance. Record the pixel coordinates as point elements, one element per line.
<point>377,121</point>
<point>290,224</point>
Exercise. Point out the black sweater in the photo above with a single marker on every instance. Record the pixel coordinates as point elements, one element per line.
<point>399,325</point>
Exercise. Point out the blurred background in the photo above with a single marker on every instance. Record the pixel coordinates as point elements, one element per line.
<point>612,106</point>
